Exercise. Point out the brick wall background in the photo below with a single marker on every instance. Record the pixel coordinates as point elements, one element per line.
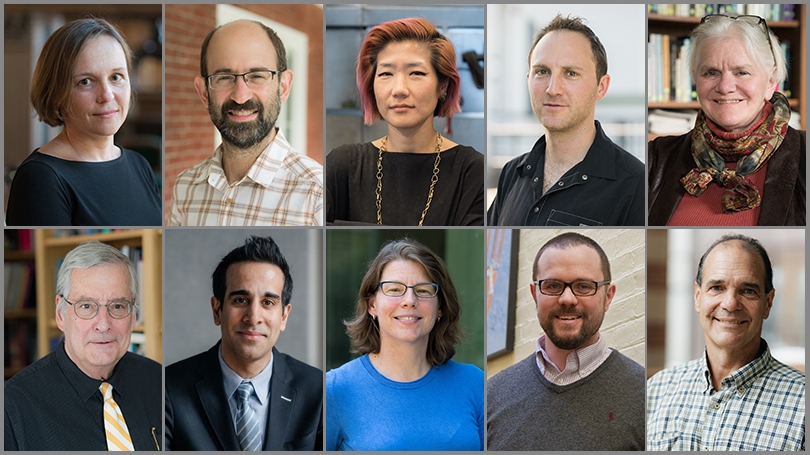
<point>189,135</point>
<point>624,323</point>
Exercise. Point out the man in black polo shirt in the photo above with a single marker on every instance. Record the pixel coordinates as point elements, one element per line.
<point>574,175</point>
<point>90,393</point>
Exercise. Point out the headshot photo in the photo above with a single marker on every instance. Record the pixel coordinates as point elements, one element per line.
<point>83,146</point>
<point>566,115</point>
<point>245,115</point>
<point>726,330</point>
<point>404,115</point>
<point>405,340</point>
<point>244,352</point>
<point>83,347</point>
<point>727,147</point>
<point>575,381</point>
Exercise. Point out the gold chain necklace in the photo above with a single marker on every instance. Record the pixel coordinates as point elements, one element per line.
<point>433,179</point>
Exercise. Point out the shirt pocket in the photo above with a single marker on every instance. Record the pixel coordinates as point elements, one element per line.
<point>560,218</point>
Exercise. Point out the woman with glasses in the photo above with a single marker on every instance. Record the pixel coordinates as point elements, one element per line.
<point>81,178</point>
<point>404,392</point>
<point>741,164</point>
<point>406,75</point>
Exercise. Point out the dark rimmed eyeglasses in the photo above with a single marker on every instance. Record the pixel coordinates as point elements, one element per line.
<point>88,309</point>
<point>253,79</point>
<point>754,21</point>
<point>580,288</point>
<point>420,290</point>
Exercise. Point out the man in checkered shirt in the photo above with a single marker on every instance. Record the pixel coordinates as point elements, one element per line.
<point>737,396</point>
<point>254,177</point>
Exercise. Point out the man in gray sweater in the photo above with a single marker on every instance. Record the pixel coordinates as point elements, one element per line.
<point>574,393</point>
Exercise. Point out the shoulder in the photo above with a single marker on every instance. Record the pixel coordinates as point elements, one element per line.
<point>187,368</point>
<point>676,374</point>
<point>349,150</point>
<point>31,378</point>
<point>625,161</point>
<point>299,369</point>
<point>629,365</point>
<point>778,371</point>
<point>346,375</point>
<point>195,174</point>
<point>462,371</point>
<point>39,165</point>
<point>134,158</point>
<point>303,167</point>
<point>469,154</point>
<point>513,375</point>
<point>663,146</point>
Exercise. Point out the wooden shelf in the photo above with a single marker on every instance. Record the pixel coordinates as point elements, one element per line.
<point>25,313</point>
<point>16,255</point>
<point>691,20</point>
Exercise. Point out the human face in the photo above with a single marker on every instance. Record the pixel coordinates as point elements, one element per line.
<point>571,322</point>
<point>732,88</point>
<point>100,91</point>
<point>244,116</point>
<point>96,345</point>
<point>252,315</point>
<point>406,87</point>
<point>406,319</point>
<point>732,302</point>
<point>562,82</point>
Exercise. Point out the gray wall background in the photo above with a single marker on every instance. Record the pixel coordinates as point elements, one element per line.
<point>190,257</point>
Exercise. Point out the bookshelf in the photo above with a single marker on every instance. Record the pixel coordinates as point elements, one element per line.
<point>674,25</point>
<point>53,244</point>
<point>19,300</point>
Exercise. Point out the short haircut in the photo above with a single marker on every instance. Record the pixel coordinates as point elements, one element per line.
<point>442,57</point>
<point>53,75</point>
<point>281,52</point>
<point>752,246</point>
<point>753,38</point>
<point>572,239</point>
<point>575,24</point>
<point>255,249</point>
<point>90,254</point>
<point>364,331</point>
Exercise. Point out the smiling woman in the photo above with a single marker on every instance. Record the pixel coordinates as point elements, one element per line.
<point>81,178</point>
<point>406,75</point>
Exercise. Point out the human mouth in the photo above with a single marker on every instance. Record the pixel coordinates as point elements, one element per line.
<point>401,107</point>
<point>242,115</point>
<point>407,319</point>
<point>728,101</point>
<point>730,321</point>
<point>106,114</point>
<point>251,335</point>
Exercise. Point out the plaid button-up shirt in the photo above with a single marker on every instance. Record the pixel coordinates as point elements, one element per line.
<point>758,407</point>
<point>282,188</point>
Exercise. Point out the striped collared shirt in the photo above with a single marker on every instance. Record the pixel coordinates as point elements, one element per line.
<point>758,407</point>
<point>282,187</point>
<point>579,363</point>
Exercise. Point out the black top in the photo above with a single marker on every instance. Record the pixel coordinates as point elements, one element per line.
<point>351,184</point>
<point>605,189</point>
<point>50,191</point>
<point>53,405</point>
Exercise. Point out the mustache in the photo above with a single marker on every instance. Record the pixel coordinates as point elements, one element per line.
<point>249,105</point>
<point>556,313</point>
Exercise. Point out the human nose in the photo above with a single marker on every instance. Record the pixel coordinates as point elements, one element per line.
<point>105,93</point>
<point>730,301</point>
<point>241,92</point>
<point>102,321</point>
<point>409,297</point>
<point>726,84</point>
<point>252,315</point>
<point>567,297</point>
<point>555,85</point>
<point>400,86</point>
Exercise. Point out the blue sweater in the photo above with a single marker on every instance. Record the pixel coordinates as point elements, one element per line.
<point>444,410</point>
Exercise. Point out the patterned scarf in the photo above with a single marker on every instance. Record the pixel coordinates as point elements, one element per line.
<point>751,150</point>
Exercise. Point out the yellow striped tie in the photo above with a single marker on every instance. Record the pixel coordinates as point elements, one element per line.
<point>114,425</point>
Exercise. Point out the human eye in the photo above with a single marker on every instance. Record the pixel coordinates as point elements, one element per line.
<point>258,76</point>
<point>86,304</point>
<point>269,302</point>
<point>425,290</point>
<point>584,287</point>
<point>222,78</point>
<point>418,73</point>
<point>117,77</point>
<point>552,286</point>
<point>240,301</point>
<point>571,73</point>
<point>85,83</point>
<point>750,292</point>
<point>393,288</point>
<point>541,71</point>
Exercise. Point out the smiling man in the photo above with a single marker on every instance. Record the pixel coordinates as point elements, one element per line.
<point>736,396</point>
<point>575,175</point>
<point>90,393</point>
<point>242,394</point>
<point>255,177</point>
<point>574,392</point>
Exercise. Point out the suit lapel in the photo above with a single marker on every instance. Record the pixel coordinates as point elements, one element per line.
<point>282,397</point>
<point>213,399</point>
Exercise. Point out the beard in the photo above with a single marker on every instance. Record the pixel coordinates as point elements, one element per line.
<point>245,135</point>
<point>590,325</point>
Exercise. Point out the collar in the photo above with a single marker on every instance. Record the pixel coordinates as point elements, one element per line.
<point>261,172</point>
<point>85,386</point>
<point>596,162</point>
<point>582,361</point>
<point>743,378</point>
<point>261,382</point>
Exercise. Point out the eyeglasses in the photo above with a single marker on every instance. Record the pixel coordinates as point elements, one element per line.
<point>580,288</point>
<point>397,289</point>
<point>88,309</point>
<point>253,79</point>
<point>753,21</point>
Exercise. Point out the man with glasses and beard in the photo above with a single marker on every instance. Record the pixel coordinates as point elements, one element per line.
<point>255,177</point>
<point>574,393</point>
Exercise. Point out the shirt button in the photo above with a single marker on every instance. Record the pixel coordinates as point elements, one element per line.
<point>741,390</point>
<point>528,166</point>
<point>716,405</point>
<point>536,179</point>
<point>560,183</point>
<point>584,177</point>
<point>536,209</point>
<point>228,201</point>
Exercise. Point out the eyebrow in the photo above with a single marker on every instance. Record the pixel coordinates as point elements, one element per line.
<point>230,71</point>
<point>245,292</point>
<point>748,284</point>
<point>407,65</point>
<point>93,74</point>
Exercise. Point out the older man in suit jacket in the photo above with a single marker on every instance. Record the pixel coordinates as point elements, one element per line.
<point>243,394</point>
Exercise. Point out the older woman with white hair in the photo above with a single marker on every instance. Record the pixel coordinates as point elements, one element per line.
<point>741,165</point>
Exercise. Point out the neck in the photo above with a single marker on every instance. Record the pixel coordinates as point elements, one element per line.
<point>100,373</point>
<point>413,140</point>
<point>723,362</point>
<point>401,363</point>
<point>79,147</point>
<point>237,161</point>
<point>560,356</point>
<point>246,370</point>
<point>570,147</point>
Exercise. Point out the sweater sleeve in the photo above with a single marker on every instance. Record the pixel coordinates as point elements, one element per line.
<point>38,197</point>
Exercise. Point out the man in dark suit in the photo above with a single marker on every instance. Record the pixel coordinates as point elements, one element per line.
<point>242,394</point>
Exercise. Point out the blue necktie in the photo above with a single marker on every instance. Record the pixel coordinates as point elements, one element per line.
<point>248,430</point>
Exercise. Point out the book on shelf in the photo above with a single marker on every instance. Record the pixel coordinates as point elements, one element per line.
<point>20,339</point>
<point>138,343</point>
<point>769,12</point>
<point>19,285</point>
<point>667,123</point>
